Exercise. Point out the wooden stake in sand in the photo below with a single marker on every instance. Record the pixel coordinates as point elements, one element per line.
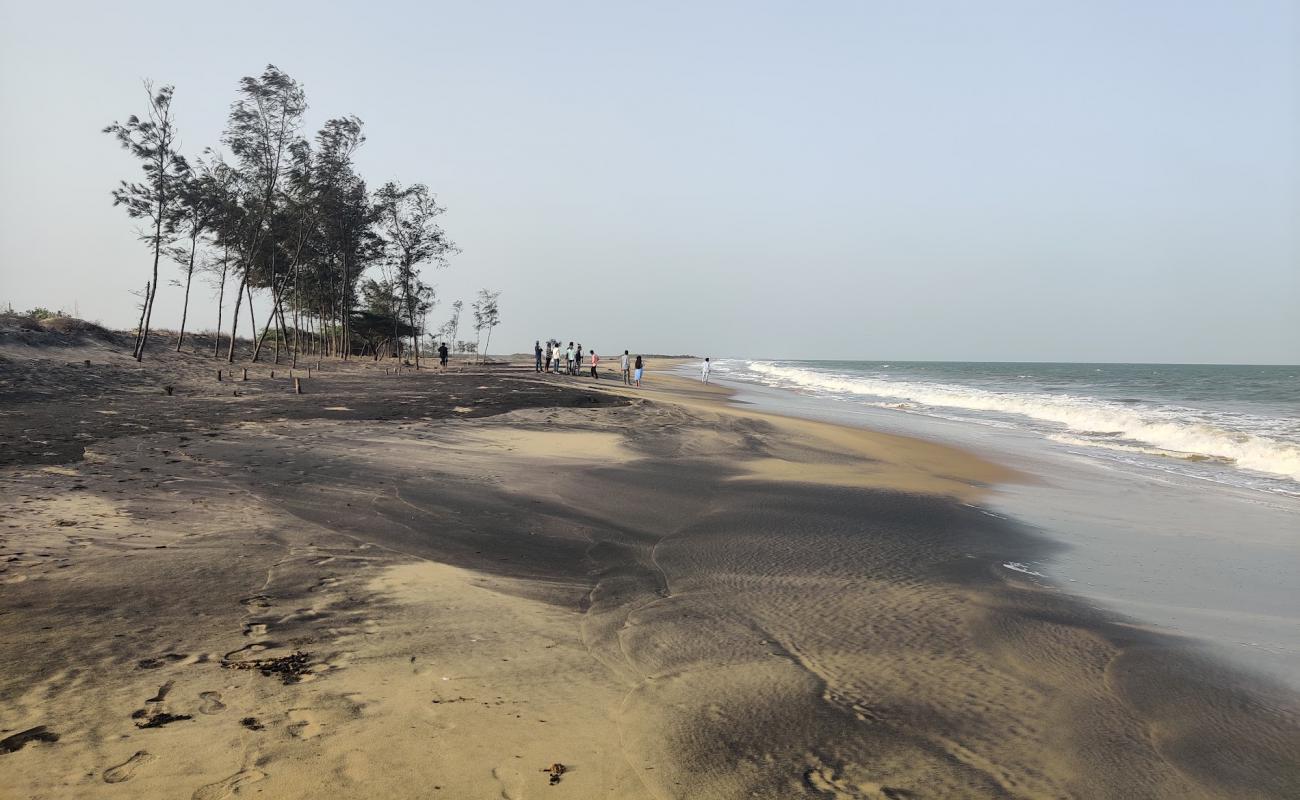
<point>88,362</point>
<point>245,374</point>
<point>272,373</point>
<point>297,386</point>
<point>218,375</point>
<point>168,389</point>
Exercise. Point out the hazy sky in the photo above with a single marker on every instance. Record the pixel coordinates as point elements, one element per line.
<point>1034,180</point>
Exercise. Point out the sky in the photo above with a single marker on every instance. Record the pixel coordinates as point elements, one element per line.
<point>995,181</point>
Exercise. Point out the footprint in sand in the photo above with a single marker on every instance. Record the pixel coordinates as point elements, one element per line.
<point>211,703</point>
<point>155,663</point>
<point>303,723</point>
<point>125,770</point>
<point>227,788</point>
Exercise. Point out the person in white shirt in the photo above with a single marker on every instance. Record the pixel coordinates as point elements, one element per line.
<point>623,365</point>
<point>705,368</point>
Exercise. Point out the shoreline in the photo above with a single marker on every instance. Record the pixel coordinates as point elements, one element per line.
<point>1131,539</point>
<point>670,598</point>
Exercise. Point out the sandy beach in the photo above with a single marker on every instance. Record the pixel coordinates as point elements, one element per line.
<point>496,584</point>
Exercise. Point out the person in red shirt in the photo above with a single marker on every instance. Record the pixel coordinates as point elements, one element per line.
<point>595,359</point>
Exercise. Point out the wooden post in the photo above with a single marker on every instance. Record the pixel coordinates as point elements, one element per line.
<point>297,386</point>
<point>309,372</point>
<point>218,376</point>
<point>272,373</point>
<point>168,389</point>
<point>88,362</point>
<point>245,374</point>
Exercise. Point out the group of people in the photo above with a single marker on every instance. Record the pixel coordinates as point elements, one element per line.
<point>569,360</point>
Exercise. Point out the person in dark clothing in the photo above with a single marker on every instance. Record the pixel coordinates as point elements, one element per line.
<point>442,354</point>
<point>577,361</point>
<point>537,353</point>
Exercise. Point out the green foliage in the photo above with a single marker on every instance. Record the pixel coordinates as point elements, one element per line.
<point>290,214</point>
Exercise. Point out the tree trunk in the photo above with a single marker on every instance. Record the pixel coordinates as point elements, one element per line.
<point>343,307</point>
<point>486,346</point>
<point>189,277</point>
<point>153,290</point>
<point>234,319</point>
<point>297,317</point>
<point>143,307</point>
<point>221,299</point>
<point>276,299</point>
<point>415,333</point>
<point>252,320</point>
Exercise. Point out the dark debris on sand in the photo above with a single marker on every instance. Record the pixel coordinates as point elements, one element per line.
<point>16,742</point>
<point>556,771</point>
<point>289,668</point>
<point>252,724</point>
<point>157,719</point>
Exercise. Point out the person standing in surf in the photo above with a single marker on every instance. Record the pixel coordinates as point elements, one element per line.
<point>705,369</point>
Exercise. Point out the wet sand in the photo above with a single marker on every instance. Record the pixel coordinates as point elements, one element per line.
<point>441,585</point>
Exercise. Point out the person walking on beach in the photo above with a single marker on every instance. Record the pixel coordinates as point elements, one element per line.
<point>639,367</point>
<point>595,360</point>
<point>442,355</point>
<point>537,354</point>
<point>568,359</point>
<point>623,365</point>
<point>705,369</point>
<point>577,361</point>
<point>558,358</point>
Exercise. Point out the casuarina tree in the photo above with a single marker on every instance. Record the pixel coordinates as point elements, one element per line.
<point>199,199</point>
<point>487,315</point>
<point>152,140</point>
<point>262,128</point>
<point>408,221</point>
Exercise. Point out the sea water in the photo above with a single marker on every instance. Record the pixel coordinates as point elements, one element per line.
<point>1233,424</point>
<point>1173,490</point>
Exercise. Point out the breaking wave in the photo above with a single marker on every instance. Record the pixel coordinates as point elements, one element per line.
<point>1116,424</point>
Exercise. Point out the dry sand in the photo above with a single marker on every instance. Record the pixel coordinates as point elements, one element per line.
<point>440,585</point>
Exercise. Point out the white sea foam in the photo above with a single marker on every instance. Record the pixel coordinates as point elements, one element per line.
<point>1159,430</point>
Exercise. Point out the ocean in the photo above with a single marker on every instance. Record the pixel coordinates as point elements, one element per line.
<point>1232,424</point>
<point>1171,492</point>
